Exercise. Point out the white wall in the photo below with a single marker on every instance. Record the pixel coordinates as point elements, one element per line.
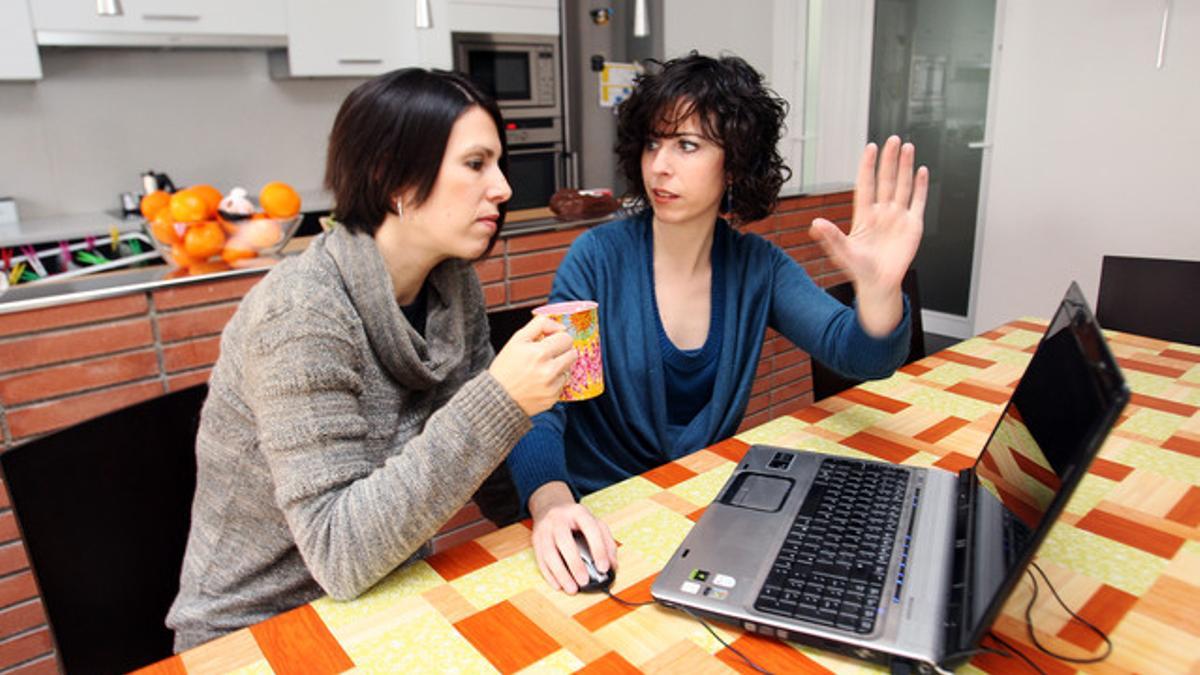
<point>713,26</point>
<point>73,141</point>
<point>1095,151</point>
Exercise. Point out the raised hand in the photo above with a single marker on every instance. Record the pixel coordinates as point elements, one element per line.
<point>889,216</point>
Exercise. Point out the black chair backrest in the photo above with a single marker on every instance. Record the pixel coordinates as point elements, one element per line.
<point>104,508</point>
<point>1150,296</point>
<point>826,381</point>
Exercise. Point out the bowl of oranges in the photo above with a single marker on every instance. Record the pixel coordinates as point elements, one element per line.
<point>200,229</point>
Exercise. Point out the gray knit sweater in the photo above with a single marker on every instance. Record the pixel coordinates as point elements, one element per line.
<point>335,439</point>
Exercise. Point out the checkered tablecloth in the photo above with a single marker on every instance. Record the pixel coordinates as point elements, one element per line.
<point>1125,553</point>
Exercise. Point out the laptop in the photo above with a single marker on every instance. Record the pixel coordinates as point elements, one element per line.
<point>900,563</point>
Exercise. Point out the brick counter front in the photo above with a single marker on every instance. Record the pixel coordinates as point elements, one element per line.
<point>65,364</point>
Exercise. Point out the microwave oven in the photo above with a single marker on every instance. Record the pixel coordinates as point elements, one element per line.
<point>520,71</point>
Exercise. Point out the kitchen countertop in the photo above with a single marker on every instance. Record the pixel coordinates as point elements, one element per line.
<point>78,225</point>
<point>153,277</point>
<point>111,284</point>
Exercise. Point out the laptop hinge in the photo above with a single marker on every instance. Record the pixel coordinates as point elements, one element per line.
<point>958,610</point>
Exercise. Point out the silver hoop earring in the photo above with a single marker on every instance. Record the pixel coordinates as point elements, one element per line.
<point>399,207</point>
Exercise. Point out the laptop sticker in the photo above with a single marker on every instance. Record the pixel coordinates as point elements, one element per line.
<point>724,581</point>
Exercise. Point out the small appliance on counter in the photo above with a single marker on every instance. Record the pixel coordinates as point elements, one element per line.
<point>151,181</point>
<point>8,211</point>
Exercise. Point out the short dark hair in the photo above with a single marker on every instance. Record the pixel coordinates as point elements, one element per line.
<point>735,110</point>
<point>390,136</point>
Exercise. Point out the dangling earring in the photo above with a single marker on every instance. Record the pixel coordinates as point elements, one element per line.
<point>399,207</point>
<point>727,199</point>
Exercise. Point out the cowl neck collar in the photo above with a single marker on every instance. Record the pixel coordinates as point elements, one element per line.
<point>415,361</point>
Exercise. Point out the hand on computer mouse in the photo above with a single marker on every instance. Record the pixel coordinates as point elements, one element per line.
<point>597,580</point>
<point>556,516</point>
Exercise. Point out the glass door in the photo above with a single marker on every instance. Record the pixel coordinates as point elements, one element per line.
<point>931,70</point>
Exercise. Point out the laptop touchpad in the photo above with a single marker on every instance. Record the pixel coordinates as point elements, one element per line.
<point>758,492</point>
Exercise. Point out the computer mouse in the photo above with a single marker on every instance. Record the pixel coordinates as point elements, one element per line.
<point>597,580</point>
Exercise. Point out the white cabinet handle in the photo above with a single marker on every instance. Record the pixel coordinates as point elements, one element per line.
<point>980,145</point>
<point>171,17</point>
<point>424,14</point>
<point>109,8</point>
<point>359,62</point>
<point>1162,35</point>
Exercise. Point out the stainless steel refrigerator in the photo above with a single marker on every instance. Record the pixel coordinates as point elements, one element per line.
<point>595,32</point>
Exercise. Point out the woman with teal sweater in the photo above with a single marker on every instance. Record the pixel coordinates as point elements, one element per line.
<point>685,298</point>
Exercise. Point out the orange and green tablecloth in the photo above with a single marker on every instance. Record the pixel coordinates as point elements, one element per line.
<point>1125,554</point>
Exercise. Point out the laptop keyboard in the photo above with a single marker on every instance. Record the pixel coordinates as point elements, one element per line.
<point>832,566</point>
<point>1016,538</point>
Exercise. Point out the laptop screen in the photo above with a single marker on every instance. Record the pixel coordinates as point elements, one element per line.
<point>1053,425</point>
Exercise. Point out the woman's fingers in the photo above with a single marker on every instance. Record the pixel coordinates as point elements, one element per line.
<point>832,240</point>
<point>569,553</point>
<point>864,182</point>
<point>590,528</point>
<point>609,542</point>
<point>904,178</point>
<point>542,549</point>
<point>887,170</point>
<point>565,360</point>
<point>917,206</point>
<point>537,328</point>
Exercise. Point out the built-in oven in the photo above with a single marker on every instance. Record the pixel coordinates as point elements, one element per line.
<point>535,173</point>
<point>521,71</point>
<point>535,160</point>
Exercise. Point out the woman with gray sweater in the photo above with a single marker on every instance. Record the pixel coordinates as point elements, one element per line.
<point>356,404</point>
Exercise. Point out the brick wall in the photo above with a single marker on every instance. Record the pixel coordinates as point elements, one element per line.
<point>66,364</point>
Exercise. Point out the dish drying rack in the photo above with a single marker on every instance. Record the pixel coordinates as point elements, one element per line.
<point>88,256</point>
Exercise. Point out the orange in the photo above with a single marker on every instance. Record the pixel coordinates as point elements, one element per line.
<point>232,253</point>
<point>210,195</point>
<point>279,200</point>
<point>180,257</point>
<point>164,230</point>
<point>188,206</point>
<point>204,240</point>
<point>153,203</point>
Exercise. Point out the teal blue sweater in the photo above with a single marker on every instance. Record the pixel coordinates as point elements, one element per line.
<point>625,431</point>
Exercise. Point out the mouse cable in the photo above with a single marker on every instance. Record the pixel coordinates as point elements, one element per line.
<point>1012,650</point>
<point>704,623</point>
<point>1033,636</point>
<point>1080,619</point>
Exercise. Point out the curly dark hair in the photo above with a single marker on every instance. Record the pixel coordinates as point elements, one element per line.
<point>736,111</point>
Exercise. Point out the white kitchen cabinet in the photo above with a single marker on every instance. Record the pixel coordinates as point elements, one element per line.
<point>18,52</point>
<point>364,37</point>
<point>213,23</point>
<point>537,17</point>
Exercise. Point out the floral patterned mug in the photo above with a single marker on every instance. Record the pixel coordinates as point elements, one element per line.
<point>582,322</point>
